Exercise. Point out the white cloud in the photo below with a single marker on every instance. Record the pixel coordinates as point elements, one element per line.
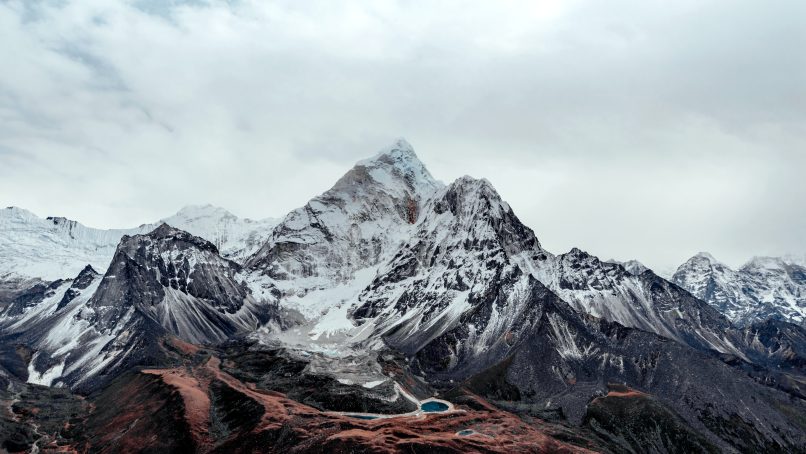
<point>632,129</point>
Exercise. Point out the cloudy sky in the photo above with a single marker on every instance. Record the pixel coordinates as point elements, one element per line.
<point>632,129</point>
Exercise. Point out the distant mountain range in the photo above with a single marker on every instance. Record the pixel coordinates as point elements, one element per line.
<point>55,247</point>
<point>328,330</point>
<point>763,288</point>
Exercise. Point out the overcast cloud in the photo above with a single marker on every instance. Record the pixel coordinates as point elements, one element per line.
<point>632,129</point>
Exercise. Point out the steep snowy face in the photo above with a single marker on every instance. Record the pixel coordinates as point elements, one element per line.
<point>458,269</point>
<point>57,248</point>
<point>778,288</point>
<point>713,282</point>
<point>45,317</point>
<point>352,226</point>
<point>765,287</point>
<point>644,301</point>
<point>41,299</point>
<point>52,248</point>
<point>236,238</point>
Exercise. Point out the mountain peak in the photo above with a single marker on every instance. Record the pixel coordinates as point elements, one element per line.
<point>169,232</point>
<point>395,169</point>
<point>701,261</point>
<point>471,196</point>
<point>478,187</point>
<point>88,270</point>
<point>163,230</point>
<point>704,259</point>
<point>399,151</point>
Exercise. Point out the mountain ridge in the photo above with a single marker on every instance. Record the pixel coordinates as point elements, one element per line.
<point>391,285</point>
<point>763,288</point>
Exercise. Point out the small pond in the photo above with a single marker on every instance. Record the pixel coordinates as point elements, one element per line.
<point>465,433</point>
<point>363,416</point>
<point>433,406</point>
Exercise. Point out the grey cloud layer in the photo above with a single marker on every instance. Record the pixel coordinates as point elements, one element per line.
<point>646,129</point>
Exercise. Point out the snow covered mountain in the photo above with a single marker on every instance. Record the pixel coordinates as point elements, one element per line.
<point>763,288</point>
<point>57,248</point>
<point>461,256</point>
<point>53,248</point>
<point>392,275</point>
<point>644,301</point>
<point>389,252</point>
<point>321,255</point>
<point>164,283</point>
<point>365,214</point>
<point>355,253</point>
<point>236,238</point>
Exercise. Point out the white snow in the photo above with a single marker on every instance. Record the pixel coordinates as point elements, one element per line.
<point>761,287</point>
<point>45,378</point>
<point>58,248</point>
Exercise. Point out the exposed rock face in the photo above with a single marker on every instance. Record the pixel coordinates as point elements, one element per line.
<point>764,288</point>
<point>780,343</point>
<point>178,281</point>
<point>27,298</point>
<point>84,279</point>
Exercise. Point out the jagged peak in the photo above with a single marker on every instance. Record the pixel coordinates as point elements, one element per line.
<point>82,281</point>
<point>163,230</point>
<point>467,180</point>
<point>475,204</point>
<point>478,186</point>
<point>167,232</point>
<point>398,151</point>
<point>577,252</point>
<point>466,194</point>
<point>392,167</point>
<point>701,261</point>
<point>87,270</point>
